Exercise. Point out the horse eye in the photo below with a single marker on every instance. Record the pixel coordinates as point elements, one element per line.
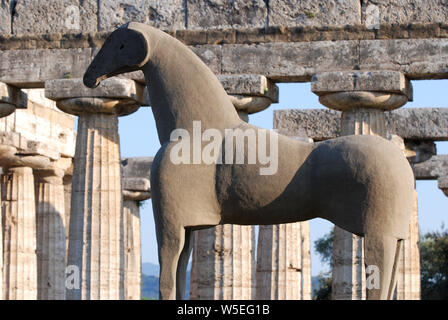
<point>121,47</point>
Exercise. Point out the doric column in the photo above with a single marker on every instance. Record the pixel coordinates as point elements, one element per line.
<point>283,261</point>
<point>408,277</point>
<point>67,181</point>
<point>19,223</point>
<point>224,256</point>
<point>95,239</point>
<point>223,263</point>
<point>408,273</point>
<point>307,290</point>
<point>136,188</point>
<point>362,96</point>
<point>50,219</point>
<point>16,241</point>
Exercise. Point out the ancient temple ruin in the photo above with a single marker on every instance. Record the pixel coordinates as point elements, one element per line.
<point>70,203</point>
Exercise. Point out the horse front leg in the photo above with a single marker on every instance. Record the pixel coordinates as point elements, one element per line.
<point>181,274</point>
<point>170,245</point>
<point>382,254</point>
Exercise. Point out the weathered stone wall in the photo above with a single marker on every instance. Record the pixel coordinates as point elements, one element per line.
<point>43,16</point>
<point>285,40</point>
<point>41,121</point>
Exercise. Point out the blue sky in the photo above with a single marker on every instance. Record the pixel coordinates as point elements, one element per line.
<point>138,137</point>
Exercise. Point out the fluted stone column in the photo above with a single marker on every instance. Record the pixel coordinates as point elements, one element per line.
<point>362,97</point>
<point>95,236</point>
<point>408,273</point>
<point>279,262</point>
<point>283,261</point>
<point>67,181</point>
<point>136,188</point>
<point>307,290</point>
<point>10,99</point>
<point>51,241</point>
<point>19,224</point>
<point>408,277</point>
<point>223,264</point>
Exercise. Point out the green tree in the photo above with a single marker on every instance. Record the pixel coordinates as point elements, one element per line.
<point>324,247</point>
<point>434,265</point>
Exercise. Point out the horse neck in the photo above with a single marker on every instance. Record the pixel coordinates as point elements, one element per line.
<point>183,89</point>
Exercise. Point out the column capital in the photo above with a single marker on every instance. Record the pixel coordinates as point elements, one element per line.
<point>17,151</point>
<point>9,158</point>
<point>442,183</point>
<point>10,99</point>
<point>113,96</point>
<point>55,171</point>
<point>136,174</point>
<point>249,93</point>
<point>348,90</point>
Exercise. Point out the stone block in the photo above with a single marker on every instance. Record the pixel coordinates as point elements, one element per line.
<point>136,184</point>
<point>211,55</point>
<point>39,148</point>
<point>138,167</point>
<point>322,124</point>
<point>419,123</point>
<point>317,124</point>
<point>404,11</point>
<point>120,88</point>
<point>5,17</point>
<point>249,85</point>
<point>222,14</point>
<point>346,81</point>
<point>289,61</point>
<point>31,68</point>
<point>433,168</point>
<point>167,14</point>
<point>11,139</point>
<point>12,95</point>
<point>314,13</point>
<point>442,183</point>
<point>42,16</point>
<point>417,58</point>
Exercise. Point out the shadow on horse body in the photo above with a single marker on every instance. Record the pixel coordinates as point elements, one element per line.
<point>362,184</point>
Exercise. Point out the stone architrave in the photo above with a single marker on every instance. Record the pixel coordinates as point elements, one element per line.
<point>95,236</point>
<point>363,97</point>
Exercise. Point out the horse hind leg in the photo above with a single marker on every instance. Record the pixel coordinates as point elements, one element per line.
<point>181,273</point>
<point>381,258</point>
<point>170,246</point>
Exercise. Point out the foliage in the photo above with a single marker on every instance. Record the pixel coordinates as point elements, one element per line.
<point>323,291</point>
<point>434,265</point>
<point>324,247</point>
<point>433,260</point>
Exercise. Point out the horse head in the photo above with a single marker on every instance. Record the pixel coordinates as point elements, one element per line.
<point>125,50</point>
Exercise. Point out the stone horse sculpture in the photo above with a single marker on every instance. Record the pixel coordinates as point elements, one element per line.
<point>362,184</point>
